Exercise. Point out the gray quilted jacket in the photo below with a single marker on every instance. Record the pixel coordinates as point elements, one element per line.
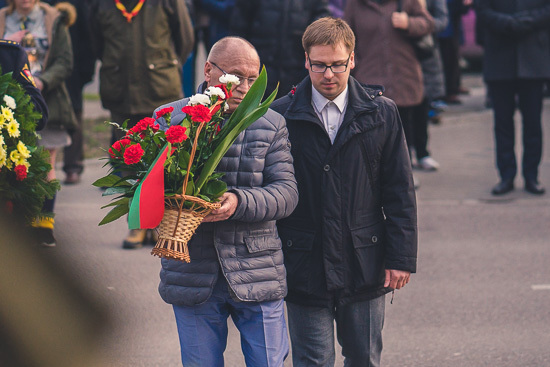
<point>246,248</point>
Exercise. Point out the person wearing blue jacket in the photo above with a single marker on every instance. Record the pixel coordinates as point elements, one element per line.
<point>515,66</point>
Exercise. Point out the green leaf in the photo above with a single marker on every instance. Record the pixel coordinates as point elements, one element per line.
<point>117,212</point>
<point>111,180</point>
<point>215,188</point>
<point>253,113</point>
<point>123,201</point>
<point>115,190</point>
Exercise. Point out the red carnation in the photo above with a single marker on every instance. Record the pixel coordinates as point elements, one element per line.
<point>118,146</point>
<point>176,134</point>
<point>143,124</point>
<point>164,111</point>
<point>133,154</point>
<point>198,113</point>
<point>228,93</point>
<point>20,172</point>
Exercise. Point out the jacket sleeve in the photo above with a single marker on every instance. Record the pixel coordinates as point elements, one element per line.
<point>421,22</point>
<point>398,196</point>
<point>181,28</point>
<point>278,196</point>
<point>60,59</point>
<point>95,30</point>
<point>494,21</point>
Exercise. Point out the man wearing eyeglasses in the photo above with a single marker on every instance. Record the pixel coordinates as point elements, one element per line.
<point>236,266</point>
<point>353,236</point>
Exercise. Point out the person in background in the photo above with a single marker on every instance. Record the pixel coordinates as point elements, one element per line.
<point>237,261</point>
<point>83,71</point>
<point>434,87</point>
<point>275,29</point>
<point>449,45</point>
<point>142,46</point>
<point>385,54</point>
<point>353,236</point>
<point>84,68</point>
<point>515,66</point>
<point>43,32</point>
<point>13,58</point>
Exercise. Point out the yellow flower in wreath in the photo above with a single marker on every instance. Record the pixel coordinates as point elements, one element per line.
<point>22,148</point>
<point>7,113</point>
<point>13,129</point>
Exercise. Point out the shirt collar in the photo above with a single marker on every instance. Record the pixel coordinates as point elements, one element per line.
<point>319,101</point>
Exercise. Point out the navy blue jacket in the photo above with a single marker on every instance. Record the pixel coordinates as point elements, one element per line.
<point>356,213</point>
<point>516,39</point>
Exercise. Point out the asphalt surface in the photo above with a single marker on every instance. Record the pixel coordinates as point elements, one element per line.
<point>480,298</point>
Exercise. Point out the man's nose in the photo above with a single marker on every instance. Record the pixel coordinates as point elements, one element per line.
<point>328,74</point>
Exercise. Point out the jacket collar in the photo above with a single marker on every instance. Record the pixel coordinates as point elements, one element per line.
<point>361,100</point>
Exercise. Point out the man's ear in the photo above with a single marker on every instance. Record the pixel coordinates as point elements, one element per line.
<point>207,72</point>
<point>306,63</point>
<point>352,60</point>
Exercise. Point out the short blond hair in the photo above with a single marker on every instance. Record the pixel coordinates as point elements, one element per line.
<point>328,31</point>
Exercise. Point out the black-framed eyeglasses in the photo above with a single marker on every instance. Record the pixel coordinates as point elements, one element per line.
<point>336,69</point>
<point>250,81</point>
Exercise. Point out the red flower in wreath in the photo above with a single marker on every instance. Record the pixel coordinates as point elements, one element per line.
<point>118,146</point>
<point>20,172</point>
<point>176,134</point>
<point>198,113</point>
<point>133,154</point>
<point>164,111</point>
<point>143,124</point>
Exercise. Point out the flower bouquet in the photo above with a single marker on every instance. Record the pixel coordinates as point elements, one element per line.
<point>24,167</point>
<point>168,177</point>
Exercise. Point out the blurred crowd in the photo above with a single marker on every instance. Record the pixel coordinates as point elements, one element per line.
<point>148,52</point>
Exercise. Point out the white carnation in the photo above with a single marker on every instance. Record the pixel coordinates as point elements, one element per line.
<point>229,78</point>
<point>215,91</point>
<point>199,99</point>
<point>10,102</point>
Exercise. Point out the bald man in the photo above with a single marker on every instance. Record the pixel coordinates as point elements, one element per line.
<point>237,263</point>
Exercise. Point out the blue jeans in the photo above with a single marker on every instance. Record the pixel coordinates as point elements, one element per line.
<point>202,330</point>
<point>358,329</point>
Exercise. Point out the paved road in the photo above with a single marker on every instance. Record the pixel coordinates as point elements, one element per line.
<point>479,297</point>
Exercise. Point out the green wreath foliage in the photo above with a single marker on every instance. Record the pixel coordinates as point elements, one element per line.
<point>22,197</point>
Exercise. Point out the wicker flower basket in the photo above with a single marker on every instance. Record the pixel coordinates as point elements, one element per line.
<point>178,226</point>
<point>180,221</point>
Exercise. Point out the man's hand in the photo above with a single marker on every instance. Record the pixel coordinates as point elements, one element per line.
<point>229,203</point>
<point>396,279</point>
<point>400,20</point>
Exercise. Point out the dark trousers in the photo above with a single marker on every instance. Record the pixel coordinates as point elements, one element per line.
<point>449,47</point>
<point>420,128</point>
<point>415,126</point>
<point>73,155</point>
<point>527,95</point>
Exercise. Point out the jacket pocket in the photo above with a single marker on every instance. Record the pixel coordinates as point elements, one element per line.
<point>262,243</point>
<point>297,248</point>
<point>368,265</point>
<point>165,79</point>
